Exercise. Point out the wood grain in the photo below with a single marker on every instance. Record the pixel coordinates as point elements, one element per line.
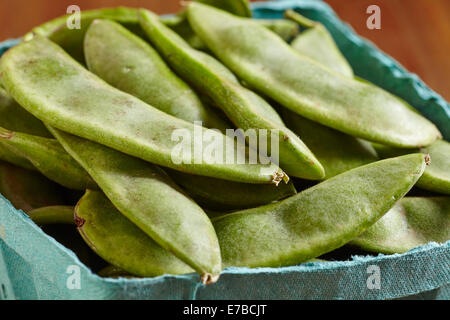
<point>415,32</point>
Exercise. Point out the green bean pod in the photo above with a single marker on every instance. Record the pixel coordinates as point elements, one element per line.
<point>52,215</point>
<point>336,151</point>
<point>284,28</point>
<point>112,271</point>
<point>437,175</point>
<point>28,190</point>
<point>147,197</point>
<point>219,194</point>
<point>236,7</point>
<point>243,107</point>
<point>59,91</point>
<point>71,40</point>
<point>131,65</point>
<point>9,155</point>
<point>49,158</point>
<point>268,64</point>
<point>114,238</point>
<point>15,118</point>
<point>317,220</point>
<point>413,221</point>
<point>318,44</point>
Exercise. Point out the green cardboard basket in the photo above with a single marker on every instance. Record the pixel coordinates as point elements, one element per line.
<point>35,266</point>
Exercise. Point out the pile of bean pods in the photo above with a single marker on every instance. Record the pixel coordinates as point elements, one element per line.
<point>87,117</point>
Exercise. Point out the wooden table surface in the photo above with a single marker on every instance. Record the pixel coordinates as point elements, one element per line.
<point>415,32</point>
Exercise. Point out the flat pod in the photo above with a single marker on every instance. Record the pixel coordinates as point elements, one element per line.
<point>437,175</point>
<point>318,44</point>
<point>243,107</point>
<point>236,7</point>
<point>336,151</point>
<point>131,65</point>
<point>28,190</point>
<point>147,197</point>
<point>49,158</point>
<point>317,220</point>
<point>219,194</point>
<point>284,28</point>
<point>52,215</point>
<point>413,221</point>
<point>71,40</point>
<point>114,272</point>
<point>120,242</point>
<point>271,66</point>
<point>15,118</point>
<point>11,156</point>
<point>60,92</point>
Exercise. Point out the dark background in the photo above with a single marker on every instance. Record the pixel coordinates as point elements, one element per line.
<point>415,32</point>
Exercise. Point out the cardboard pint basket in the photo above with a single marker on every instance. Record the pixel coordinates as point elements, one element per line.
<point>33,265</point>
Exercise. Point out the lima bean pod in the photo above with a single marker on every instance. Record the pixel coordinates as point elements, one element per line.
<point>219,194</point>
<point>10,156</point>
<point>147,197</point>
<point>318,44</point>
<point>48,157</point>
<point>114,238</point>
<point>317,220</point>
<point>28,190</point>
<point>336,151</point>
<point>283,28</point>
<point>52,215</point>
<point>59,91</point>
<point>131,65</point>
<point>305,86</point>
<point>15,118</point>
<point>243,107</point>
<point>413,221</point>
<point>437,175</point>
<point>114,272</point>
<point>71,40</point>
<point>236,7</point>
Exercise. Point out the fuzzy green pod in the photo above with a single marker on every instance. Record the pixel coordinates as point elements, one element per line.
<point>71,40</point>
<point>243,107</point>
<point>268,64</point>
<point>336,151</point>
<point>15,118</point>
<point>120,242</point>
<point>59,91</point>
<point>318,44</point>
<point>319,219</point>
<point>145,195</point>
<point>52,215</point>
<point>28,190</point>
<point>236,7</point>
<point>49,158</point>
<point>413,221</point>
<point>437,175</point>
<point>219,194</point>
<point>284,28</point>
<point>131,65</point>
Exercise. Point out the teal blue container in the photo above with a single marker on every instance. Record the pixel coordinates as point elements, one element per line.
<point>35,266</point>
